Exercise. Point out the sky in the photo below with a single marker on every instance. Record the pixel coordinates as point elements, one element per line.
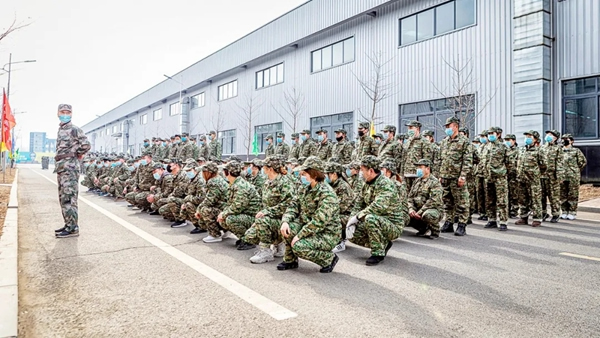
<point>95,55</point>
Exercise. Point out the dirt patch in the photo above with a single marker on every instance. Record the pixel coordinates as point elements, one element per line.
<point>588,192</point>
<point>5,194</point>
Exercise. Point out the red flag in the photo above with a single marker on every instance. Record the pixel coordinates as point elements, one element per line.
<point>8,122</point>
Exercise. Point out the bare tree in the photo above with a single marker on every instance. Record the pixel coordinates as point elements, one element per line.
<point>377,85</point>
<point>250,113</point>
<point>218,119</point>
<point>291,108</point>
<point>14,26</point>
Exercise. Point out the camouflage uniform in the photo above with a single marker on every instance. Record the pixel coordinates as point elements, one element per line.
<point>324,150</point>
<point>196,191</point>
<point>295,149</point>
<point>215,150</point>
<point>552,178</point>
<point>282,148</point>
<point>308,147</point>
<point>472,180</point>
<point>390,150</point>
<point>425,198</point>
<point>342,150</point>
<point>356,182</point>
<point>203,150</point>
<point>530,164</point>
<point>143,183</point>
<point>495,179</point>
<point>71,144</point>
<point>147,149</point>
<point>366,145</point>
<point>480,177</point>
<point>270,151</point>
<point>242,205</point>
<point>186,149</point>
<point>215,201</point>
<point>344,193</point>
<point>313,216</point>
<point>89,174</point>
<point>513,184</point>
<point>574,161</point>
<point>172,209</point>
<point>163,189</point>
<point>258,181</point>
<point>415,148</point>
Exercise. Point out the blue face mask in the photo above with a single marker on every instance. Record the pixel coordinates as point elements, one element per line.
<point>156,176</point>
<point>131,168</point>
<point>528,141</point>
<point>118,164</point>
<point>327,179</point>
<point>483,140</point>
<point>348,172</point>
<point>449,131</point>
<point>164,144</point>
<point>476,145</point>
<point>304,180</point>
<point>296,173</point>
<point>184,139</point>
<point>144,162</point>
<point>549,138</point>
<point>64,118</point>
<point>492,138</point>
<point>201,143</point>
<point>113,165</point>
<point>320,138</point>
<point>137,164</point>
<point>106,164</point>
<point>507,143</point>
<point>177,141</point>
<point>249,171</point>
<point>303,138</point>
<point>419,172</point>
<point>377,141</point>
<point>190,174</point>
<point>262,171</point>
<point>98,165</point>
<point>86,165</point>
<point>146,144</point>
<point>279,140</point>
<point>411,133</point>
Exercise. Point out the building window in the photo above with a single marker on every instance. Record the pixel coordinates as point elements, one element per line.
<point>227,138</point>
<point>331,123</point>
<point>333,55</point>
<point>438,20</point>
<point>115,129</point>
<point>270,76</point>
<point>174,109</point>
<point>143,120</point>
<point>433,114</point>
<point>157,114</point>
<point>197,101</point>
<point>228,90</point>
<point>267,129</point>
<point>581,107</point>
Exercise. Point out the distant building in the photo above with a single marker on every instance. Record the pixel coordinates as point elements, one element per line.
<point>37,142</point>
<point>50,145</point>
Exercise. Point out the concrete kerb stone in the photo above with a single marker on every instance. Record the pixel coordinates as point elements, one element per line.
<point>9,243</point>
<point>584,208</point>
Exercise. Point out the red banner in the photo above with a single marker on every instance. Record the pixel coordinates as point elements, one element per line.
<point>8,122</point>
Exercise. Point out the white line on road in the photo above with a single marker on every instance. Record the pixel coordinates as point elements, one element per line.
<point>580,256</point>
<point>252,297</point>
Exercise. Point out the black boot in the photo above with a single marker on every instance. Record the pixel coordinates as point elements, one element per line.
<point>503,227</point>
<point>483,218</point>
<point>245,246</point>
<point>447,227</point>
<point>491,224</point>
<point>329,268</point>
<point>154,213</point>
<point>469,220</point>
<point>374,260</point>
<point>197,231</point>
<point>59,230</point>
<point>178,224</point>
<point>554,219</point>
<point>455,219</point>
<point>287,266</point>
<point>461,229</point>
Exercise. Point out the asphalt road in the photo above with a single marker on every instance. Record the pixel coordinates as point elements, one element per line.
<point>131,275</point>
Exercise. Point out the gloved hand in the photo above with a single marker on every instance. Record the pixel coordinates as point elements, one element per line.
<point>352,221</point>
<point>350,231</point>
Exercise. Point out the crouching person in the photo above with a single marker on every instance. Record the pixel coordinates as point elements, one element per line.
<point>214,202</point>
<point>311,224</point>
<point>425,205</point>
<point>377,219</point>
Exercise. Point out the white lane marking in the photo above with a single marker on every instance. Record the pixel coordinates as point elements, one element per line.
<point>580,256</point>
<point>250,296</point>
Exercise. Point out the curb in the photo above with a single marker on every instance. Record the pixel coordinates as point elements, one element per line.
<point>588,209</point>
<point>9,297</point>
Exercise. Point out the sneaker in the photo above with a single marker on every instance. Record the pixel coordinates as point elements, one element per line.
<point>340,247</point>
<point>503,227</point>
<point>522,221</point>
<point>426,234</point>
<point>227,234</point>
<point>178,224</point>
<point>279,249</point>
<point>68,233</point>
<point>536,224</point>
<point>374,260</point>
<point>329,268</point>
<point>211,239</point>
<point>247,246</point>
<point>197,231</point>
<point>59,230</point>
<point>263,255</point>
<point>563,216</point>
<point>470,221</point>
<point>287,266</point>
<point>571,217</point>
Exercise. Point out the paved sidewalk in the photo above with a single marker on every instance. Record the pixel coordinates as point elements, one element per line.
<point>590,206</point>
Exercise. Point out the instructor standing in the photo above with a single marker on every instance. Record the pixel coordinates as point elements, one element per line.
<point>71,146</point>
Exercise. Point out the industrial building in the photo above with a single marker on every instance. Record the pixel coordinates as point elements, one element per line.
<point>39,143</point>
<point>517,64</point>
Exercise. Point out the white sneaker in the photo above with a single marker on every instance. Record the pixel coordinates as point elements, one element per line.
<point>211,239</point>
<point>227,234</point>
<point>571,217</point>
<point>340,247</point>
<point>262,256</point>
<point>563,216</point>
<point>279,249</point>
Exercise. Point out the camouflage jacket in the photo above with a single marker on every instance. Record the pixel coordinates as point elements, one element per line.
<point>258,182</point>
<point>574,161</point>
<point>277,195</point>
<point>425,194</point>
<point>342,150</point>
<point>530,164</point>
<point>415,149</point>
<point>356,183</point>
<point>496,160</point>
<point>379,197</point>
<point>180,185</point>
<point>160,153</point>
<point>295,151</point>
<point>155,151</point>
<point>270,151</point>
<point>317,211</point>
<point>203,152</point>
<point>308,148</point>
<point>72,143</point>
<point>196,190</point>
<point>513,155</point>
<point>345,195</point>
<point>215,150</point>
<point>145,180</point>
<point>403,198</point>
<point>481,160</point>
<point>174,151</point>
<point>324,150</point>
<point>436,160</point>
<point>147,150</point>
<point>553,155</point>
<point>186,150</point>
<point>243,199</point>
<point>283,149</point>
<point>366,146</point>
<point>164,186</point>
<point>390,151</point>
<point>120,173</point>
<point>217,190</point>
<point>456,157</point>
<point>195,151</point>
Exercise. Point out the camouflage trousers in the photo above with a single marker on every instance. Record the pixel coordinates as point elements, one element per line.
<point>569,196</point>
<point>208,220</point>
<point>141,201</point>
<point>316,249</point>
<point>172,208</point>
<point>430,220</point>
<point>344,220</point>
<point>480,195</point>
<point>238,224</point>
<point>68,189</point>
<point>158,203</point>
<point>551,191</point>
<point>409,182</point>
<point>496,194</point>
<point>119,187</point>
<point>456,200</point>
<point>130,198</point>
<point>109,188</point>
<point>265,230</point>
<point>188,213</point>
<point>472,188</point>
<point>87,182</point>
<point>530,199</point>
<point>513,194</point>
<point>376,232</point>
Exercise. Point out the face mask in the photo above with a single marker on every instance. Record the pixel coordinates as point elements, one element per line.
<point>249,171</point>
<point>483,140</point>
<point>190,174</point>
<point>303,138</point>
<point>64,118</point>
<point>528,141</point>
<point>567,142</point>
<point>106,164</point>
<point>262,171</point>
<point>327,179</point>
<point>98,165</point>
<point>164,144</point>
<point>386,135</point>
<point>144,162</point>
<point>411,133</point>
<point>131,168</point>
<point>320,138</point>
<point>419,172</point>
<point>184,139</point>
<point>177,141</point>
<point>279,140</point>
<point>296,173</point>
<point>507,143</point>
<point>492,138</point>
<point>169,169</point>
<point>304,180</point>
<point>86,165</point>
<point>549,138</point>
<point>361,133</point>
<point>339,138</point>
<point>361,175</point>
<point>449,131</point>
<point>476,145</point>
<point>146,144</point>
<point>118,164</point>
<point>377,141</point>
<point>137,164</point>
<point>289,169</point>
<point>156,176</point>
<point>348,172</point>
<point>294,141</point>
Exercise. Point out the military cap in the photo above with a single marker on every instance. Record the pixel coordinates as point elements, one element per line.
<point>176,161</point>
<point>280,134</point>
<point>305,131</point>
<point>400,136</point>
<point>292,160</point>
<point>510,137</point>
<point>452,119</point>
<point>484,133</point>
<point>554,132</point>
<point>157,166</point>
<point>476,140</point>
<point>378,135</point>
<point>495,130</point>
<point>464,130</point>
<point>370,162</point>
<point>295,135</point>
<point>333,167</point>
<point>64,106</point>
<point>312,162</point>
<point>269,137</point>
<point>137,158</point>
<point>424,162</point>
<point>201,159</point>
<point>321,131</point>
<point>129,161</point>
<point>166,160</point>
<point>210,167</point>
<point>273,162</point>
<point>193,138</point>
<point>389,128</point>
<point>364,125</point>
<point>533,133</point>
<point>341,130</point>
<point>234,167</point>
<point>212,132</point>
<point>569,136</point>
<point>172,137</point>
<point>190,161</point>
<point>353,165</point>
<point>185,134</point>
<point>234,158</point>
<point>202,137</point>
<point>428,133</point>
<point>389,165</point>
<point>120,157</point>
<point>177,135</point>
<point>414,123</point>
<point>154,139</point>
<point>146,140</point>
<point>257,162</point>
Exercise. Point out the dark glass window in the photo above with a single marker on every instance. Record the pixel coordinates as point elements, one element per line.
<point>581,107</point>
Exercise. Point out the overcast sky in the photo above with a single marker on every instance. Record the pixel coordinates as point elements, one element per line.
<point>96,55</point>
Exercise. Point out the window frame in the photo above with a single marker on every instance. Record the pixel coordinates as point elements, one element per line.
<point>276,128</point>
<point>200,99</point>
<point>331,46</point>
<point>225,89</point>
<point>177,109</point>
<point>271,70</point>
<point>590,95</point>
<point>333,124</point>
<point>143,120</point>
<point>222,138</point>
<point>154,113</point>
